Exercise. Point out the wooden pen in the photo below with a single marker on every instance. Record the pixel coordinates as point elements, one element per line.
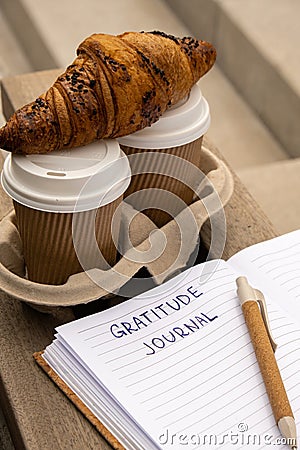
<point>254,313</point>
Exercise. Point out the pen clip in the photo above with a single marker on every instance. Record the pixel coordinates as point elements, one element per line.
<point>247,293</point>
<point>264,312</point>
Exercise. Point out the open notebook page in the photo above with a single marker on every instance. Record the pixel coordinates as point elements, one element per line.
<point>187,375</point>
<point>274,267</point>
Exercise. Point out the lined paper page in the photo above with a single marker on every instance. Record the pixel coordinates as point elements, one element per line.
<point>183,365</point>
<point>274,267</point>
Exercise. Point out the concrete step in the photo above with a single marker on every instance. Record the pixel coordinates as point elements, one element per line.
<point>50,35</point>
<point>243,139</point>
<point>12,58</point>
<point>241,136</point>
<point>276,187</point>
<point>257,50</point>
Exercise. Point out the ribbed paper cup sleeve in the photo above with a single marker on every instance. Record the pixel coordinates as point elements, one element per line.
<point>190,152</point>
<point>48,247</point>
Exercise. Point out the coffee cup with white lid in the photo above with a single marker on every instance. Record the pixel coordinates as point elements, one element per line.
<point>178,133</point>
<point>52,192</point>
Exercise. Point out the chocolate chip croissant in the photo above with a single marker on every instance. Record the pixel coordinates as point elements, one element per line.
<point>117,85</point>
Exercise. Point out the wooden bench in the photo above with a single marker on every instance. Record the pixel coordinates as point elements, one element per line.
<point>39,416</point>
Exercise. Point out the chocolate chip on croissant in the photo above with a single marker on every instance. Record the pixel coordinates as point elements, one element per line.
<point>117,85</point>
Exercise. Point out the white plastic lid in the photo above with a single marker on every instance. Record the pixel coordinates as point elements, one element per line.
<point>183,123</point>
<point>80,179</point>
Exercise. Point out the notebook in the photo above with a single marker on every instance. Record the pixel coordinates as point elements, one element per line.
<point>174,367</point>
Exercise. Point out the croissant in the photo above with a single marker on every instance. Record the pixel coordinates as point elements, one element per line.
<point>116,85</point>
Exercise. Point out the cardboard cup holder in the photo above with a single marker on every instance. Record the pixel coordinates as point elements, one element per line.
<point>162,251</point>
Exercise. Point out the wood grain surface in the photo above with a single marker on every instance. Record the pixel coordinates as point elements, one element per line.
<point>39,416</point>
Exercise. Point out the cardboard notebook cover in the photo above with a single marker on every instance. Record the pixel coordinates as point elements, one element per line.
<point>108,436</point>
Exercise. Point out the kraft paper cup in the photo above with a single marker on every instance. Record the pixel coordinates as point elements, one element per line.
<point>49,191</point>
<point>179,132</point>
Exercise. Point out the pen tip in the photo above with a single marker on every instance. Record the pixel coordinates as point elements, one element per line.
<point>287,428</point>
